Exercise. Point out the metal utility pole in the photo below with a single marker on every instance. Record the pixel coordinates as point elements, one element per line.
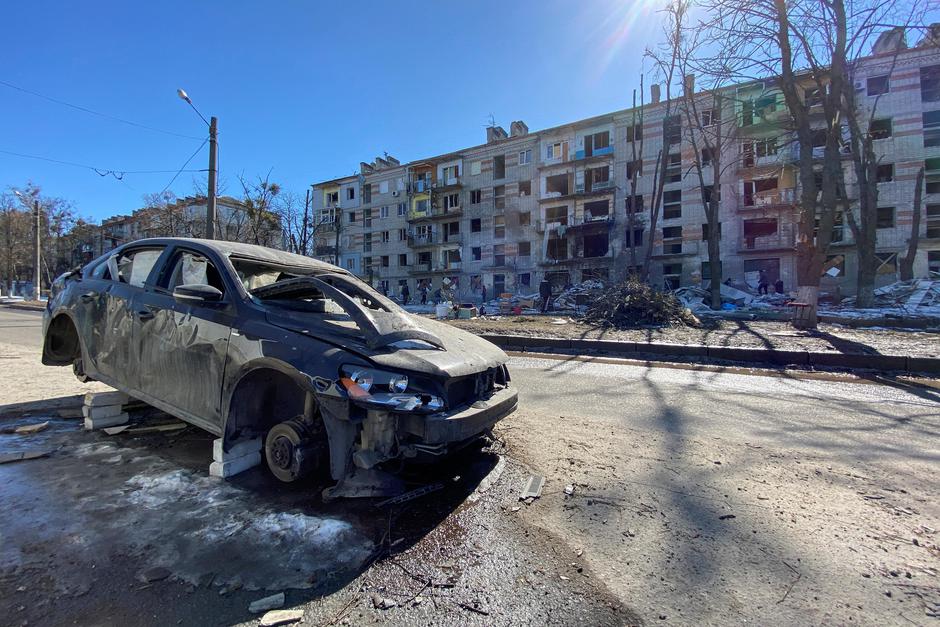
<point>213,173</point>
<point>36,273</point>
<point>213,159</point>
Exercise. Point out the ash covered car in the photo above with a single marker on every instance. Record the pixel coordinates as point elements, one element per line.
<point>248,342</point>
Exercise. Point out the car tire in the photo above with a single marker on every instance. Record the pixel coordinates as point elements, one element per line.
<point>78,369</point>
<point>289,452</point>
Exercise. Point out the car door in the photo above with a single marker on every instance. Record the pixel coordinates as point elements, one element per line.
<point>182,344</point>
<point>115,353</point>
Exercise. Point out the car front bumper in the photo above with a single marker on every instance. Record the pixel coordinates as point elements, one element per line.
<point>463,423</point>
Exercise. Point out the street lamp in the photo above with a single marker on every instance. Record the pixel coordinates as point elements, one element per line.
<point>213,173</point>
<point>36,274</point>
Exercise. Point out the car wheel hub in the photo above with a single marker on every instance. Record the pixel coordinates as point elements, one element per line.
<point>282,452</point>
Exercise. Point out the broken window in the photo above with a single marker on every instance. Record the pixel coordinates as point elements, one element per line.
<point>878,85</point>
<point>708,191</point>
<point>672,130</point>
<point>634,204</point>
<point>672,275</point>
<point>476,196</point>
<point>451,231</point>
<point>557,248</point>
<point>402,235</point>
<point>556,185</point>
<point>525,188</point>
<point>452,259</point>
<point>885,173</point>
<point>499,226</point>
<point>525,249</point>
<point>499,167</point>
<point>476,225</point>
<point>475,168</point>
<point>812,96</point>
<point>930,83</point>
<point>634,169</point>
<point>887,263</point>
<point>385,261</point>
<point>672,240</point>
<point>525,218</point>
<point>672,204</point>
<point>707,270</point>
<point>451,173</point>
<point>885,218</point>
<point>710,117</point>
<point>499,197</point>
<point>476,253</point>
<point>367,192</point>
<point>931,122</point>
<point>597,210</point>
<point>451,202</point>
<point>634,132</point>
<point>637,239</point>
<point>933,221</point>
<point>350,193</point>
<point>386,237</point>
<point>596,245</point>
<point>332,198</point>
<point>758,229</point>
<point>499,284</point>
<point>708,155</point>
<point>524,280</point>
<point>403,259</point>
<point>595,142</point>
<point>673,172</point>
<point>499,254</point>
<point>880,129</point>
<point>352,217</point>
<point>422,206</point>
<point>556,215</point>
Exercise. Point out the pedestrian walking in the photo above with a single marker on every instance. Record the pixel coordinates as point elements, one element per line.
<point>545,291</point>
<point>405,294</point>
<point>763,283</point>
<point>483,292</point>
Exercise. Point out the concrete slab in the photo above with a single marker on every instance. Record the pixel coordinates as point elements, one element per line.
<point>102,411</point>
<point>236,449</point>
<point>110,421</point>
<point>97,399</point>
<point>234,466</point>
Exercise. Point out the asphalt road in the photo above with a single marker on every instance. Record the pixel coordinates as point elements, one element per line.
<point>696,497</point>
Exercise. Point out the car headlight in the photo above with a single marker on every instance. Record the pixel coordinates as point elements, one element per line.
<point>362,378</point>
<point>386,390</point>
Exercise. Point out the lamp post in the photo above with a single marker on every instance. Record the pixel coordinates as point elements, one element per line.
<point>213,173</point>
<point>36,273</point>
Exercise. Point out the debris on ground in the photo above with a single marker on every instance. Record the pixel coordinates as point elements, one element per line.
<point>382,603</point>
<point>533,487</point>
<point>267,603</point>
<point>281,617</point>
<point>157,573</point>
<point>919,297</point>
<point>6,458</point>
<point>30,429</point>
<point>633,304</point>
<point>578,296</point>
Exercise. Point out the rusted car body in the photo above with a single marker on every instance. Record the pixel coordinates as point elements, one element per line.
<point>247,342</point>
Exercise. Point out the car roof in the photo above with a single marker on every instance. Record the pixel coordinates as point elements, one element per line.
<point>249,251</point>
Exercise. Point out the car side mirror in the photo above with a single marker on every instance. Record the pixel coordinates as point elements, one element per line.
<point>197,293</point>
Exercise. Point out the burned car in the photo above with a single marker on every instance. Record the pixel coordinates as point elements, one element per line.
<point>248,342</point>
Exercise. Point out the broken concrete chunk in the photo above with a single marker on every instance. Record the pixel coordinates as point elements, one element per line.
<point>267,603</point>
<point>98,399</point>
<point>235,466</point>
<point>281,617</point>
<point>101,423</point>
<point>6,458</point>
<point>382,603</point>
<point>533,487</point>
<point>237,449</point>
<point>104,411</point>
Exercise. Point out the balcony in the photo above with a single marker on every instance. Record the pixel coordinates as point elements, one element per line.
<point>419,186</point>
<point>434,239</point>
<point>780,198</point>
<point>435,213</point>
<point>596,154</point>
<point>448,183</point>
<point>781,241</point>
<point>676,247</point>
<point>325,250</point>
<point>590,223</point>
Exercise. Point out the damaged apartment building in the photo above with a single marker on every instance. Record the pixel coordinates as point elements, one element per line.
<point>557,203</point>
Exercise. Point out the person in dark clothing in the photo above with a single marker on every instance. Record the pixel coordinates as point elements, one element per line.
<point>762,283</point>
<point>483,291</point>
<point>778,286</point>
<point>545,291</point>
<point>424,293</point>
<point>405,294</point>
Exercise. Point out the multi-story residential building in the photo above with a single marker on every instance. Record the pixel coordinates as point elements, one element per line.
<point>554,203</point>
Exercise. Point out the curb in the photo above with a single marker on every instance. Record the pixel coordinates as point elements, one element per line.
<point>23,307</point>
<point>671,352</point>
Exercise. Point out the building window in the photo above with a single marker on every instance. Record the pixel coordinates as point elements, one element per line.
<point>877,85</point>
<point>383,187</point>
<point>812,96</point>
<point>476,196</point>
<point>451,172</point>
<point>708,191</point>
<point>885,173</point>
<point>930,83</point>
<point>476,253</point>
<point>499,226</point>
<point>525,249</point>
<point>674,168</point>
<point>672,204</point>
<point>499,255</point>
<point>634,169</point>
<point>367,217</point>
<point>351,263</point>
<point>476,225</point>
<point>933,221</point>
<point>931,128</point>
<point>385,261</point>
<point>350,193</point>
<point>672,129</point>
<point>708,155</point>
<point>499,197</point>
<point>634,132</point>
<point>474,168</point>
<point>499,167</point>
<point>710,117</point>
<point>932,166</point>
<point>880,129</point>
<point>525,218</point>
<point>383,212</point>
<point>885,218</point>
<point>352,217</point>
<point>887,263</point>
<point>525,157</point>
<point>402,235</point>
<point>403,259</point>
<point>422,206</point>
<point>499,284</point>
<point>707,270</point>
<point>637,239</point>
<point>386,237</point>
<point>367,193</point>
<point>451,202</point>
<point>672,232</point>
<point>597,141</point>
<point>933,261</point>
<point>402,208</point>
<point>672,275</point>
<point>332,198</point>
<point>524,279</point>
<point>933,187</point>
<point>634,204</point>
<point>525,188</point>
<point>554,151</point>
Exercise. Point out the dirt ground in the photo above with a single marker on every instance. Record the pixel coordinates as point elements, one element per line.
<point>736,333</point>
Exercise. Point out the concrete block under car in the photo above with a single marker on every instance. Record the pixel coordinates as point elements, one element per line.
<point>108,421</point>
<point>235,450</point>
<point>98,399</point>
<point>234,466</point>
<point>103,411</point>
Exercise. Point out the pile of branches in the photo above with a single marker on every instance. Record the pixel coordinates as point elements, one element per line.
<point>636,304</point>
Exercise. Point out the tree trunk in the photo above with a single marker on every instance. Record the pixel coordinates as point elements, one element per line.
<point>907,262</point>
<point>805,316</point>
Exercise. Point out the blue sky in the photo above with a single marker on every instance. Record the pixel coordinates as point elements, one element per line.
<point>304,89</point>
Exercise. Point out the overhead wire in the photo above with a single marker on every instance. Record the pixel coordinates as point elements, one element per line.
<point>183,167</point>
<point>117,174</point>
<point>98,113</point>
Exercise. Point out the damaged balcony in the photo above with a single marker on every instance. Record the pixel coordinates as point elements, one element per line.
<point>767,235</point>
<point>595,218</point>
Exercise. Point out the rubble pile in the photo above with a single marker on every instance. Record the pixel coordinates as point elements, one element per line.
<point>920,296</point>
<point>634,304</point>
<point>576,297</point>
<point>697,298</point>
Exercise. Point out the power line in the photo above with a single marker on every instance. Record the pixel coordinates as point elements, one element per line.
<point>118,174</point>
<point>180,171</point>
<point>103,115</point>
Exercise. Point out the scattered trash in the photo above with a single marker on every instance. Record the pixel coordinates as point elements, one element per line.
<point>281,617</point>
<point>6,458</point>
<point>383,603</point>
<point>410,496</point>
<point>533,488</point>
<point>267,603</point>
<point>633,304</point>
<point>30,429</point>
<point>569,489</point>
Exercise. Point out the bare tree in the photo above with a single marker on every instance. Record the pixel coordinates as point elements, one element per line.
<point>260,223</point>
<point>633,204</point>
<point>164,216</point>
<point>300,223</point>
<point>907,261</point>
